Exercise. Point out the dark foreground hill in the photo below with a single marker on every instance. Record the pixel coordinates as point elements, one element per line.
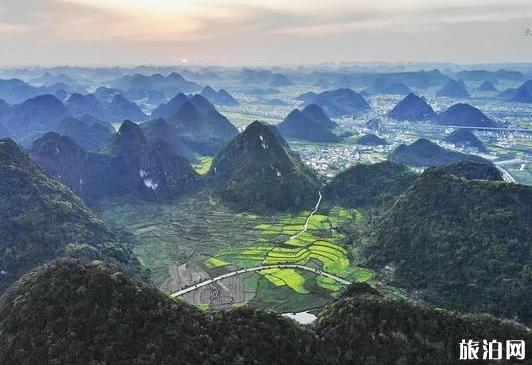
<point>463,244</point>
<point>72,313</point>
<point>474,171</point>
<point>367,186</point>
<point>259,172</point>
<point>41,219</point>
<point>69,313</point>
<point>369,329</point>
<point>423,153</point>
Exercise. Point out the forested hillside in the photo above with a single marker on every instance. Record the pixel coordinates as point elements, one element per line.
<point>72,313</point>
<point>41,219</point>
<point>463,244</point>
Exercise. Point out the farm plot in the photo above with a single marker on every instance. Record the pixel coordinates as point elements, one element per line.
<point>283,243</point>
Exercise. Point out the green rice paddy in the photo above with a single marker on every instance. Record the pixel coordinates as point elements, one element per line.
<point>203,165</point>
<point>282,243</point>
<point>200,231</point>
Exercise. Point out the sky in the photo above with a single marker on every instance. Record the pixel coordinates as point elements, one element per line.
<point>273,32</point>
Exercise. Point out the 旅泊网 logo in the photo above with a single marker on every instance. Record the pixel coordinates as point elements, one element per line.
<point>492,350</point>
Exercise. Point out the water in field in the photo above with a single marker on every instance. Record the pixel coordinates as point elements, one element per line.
<point>301,317</point>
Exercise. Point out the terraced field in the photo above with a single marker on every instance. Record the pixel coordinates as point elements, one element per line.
<point>280,242</point>
<point>197,236</point>
<point>203,165</point>
<point>187,230</point>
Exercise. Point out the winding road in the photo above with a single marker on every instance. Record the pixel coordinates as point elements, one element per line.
<point>505,174</point>
<point>259,268</point>
<point>310,216</point>
<point>266,267</point>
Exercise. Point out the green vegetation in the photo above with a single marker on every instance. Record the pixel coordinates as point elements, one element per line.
<point>425,153</point>
<point>367,328</point>
<point>282,243</point>
<point>203,165</point>
<point>258,172</point>
<point>41,219</point>
<point>288,277</point>
<point>107,318</point>
<point>189,229</point>
<point>462,244</point>
<point>197,228</point>
<point>213,262</point>
<point>474,171</point>
<point>369,186</point>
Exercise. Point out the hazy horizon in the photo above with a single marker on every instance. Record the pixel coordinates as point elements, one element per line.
<point>237,33</point>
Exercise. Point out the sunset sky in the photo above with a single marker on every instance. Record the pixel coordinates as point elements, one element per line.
<point>130,32</point>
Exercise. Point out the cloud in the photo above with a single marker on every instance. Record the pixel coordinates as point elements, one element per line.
<point>277,31</point>
<point>321,19</point>
<point>58,19</point>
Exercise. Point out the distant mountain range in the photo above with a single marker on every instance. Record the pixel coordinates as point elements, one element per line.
<point>454,89</point>
<point>220,97</point>
<point>46,112</point>
<point>415,108</point>
<point>201,75</point>
<point>169,85</point>
<point>47,79</point>
<point>492,76</point>
<point>340,102</point>
<point>172,107</point>
<point>16,91</point>
<point>118,109</point>
<point>382,87</point>
<point>263,77</point>
<point>257,171</point>
<point>413,79</point>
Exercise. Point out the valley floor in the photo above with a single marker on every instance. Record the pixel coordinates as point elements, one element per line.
<point>197,237</point>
